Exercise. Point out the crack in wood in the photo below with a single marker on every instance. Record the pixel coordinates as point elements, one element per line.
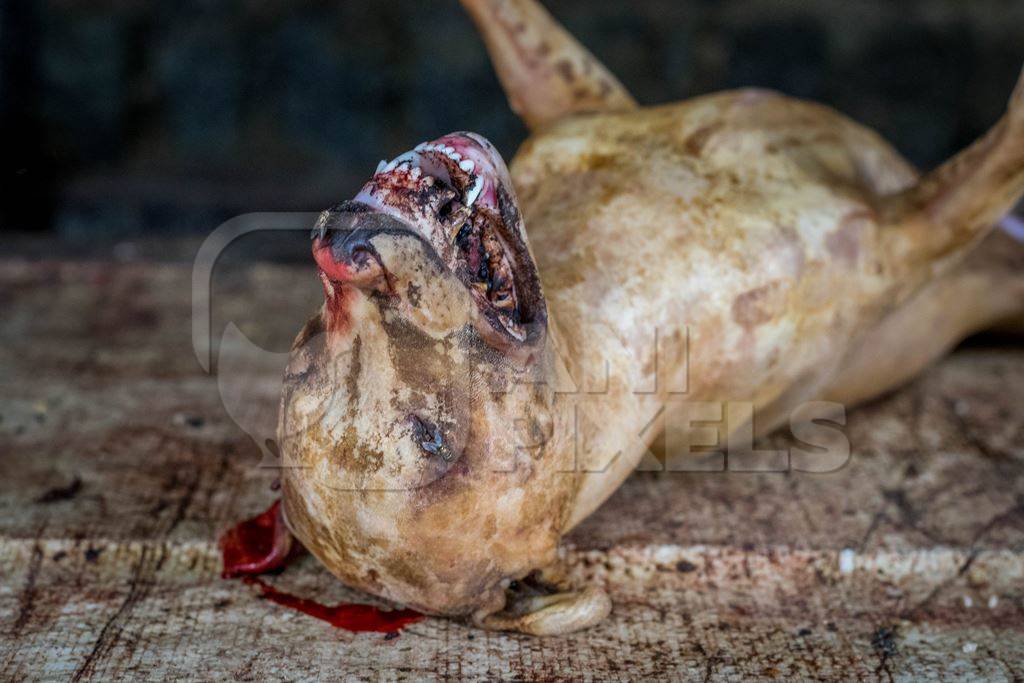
<point>111,630</point>
<point>27,599</point>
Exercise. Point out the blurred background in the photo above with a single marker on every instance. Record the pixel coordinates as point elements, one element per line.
<point>136,119</point>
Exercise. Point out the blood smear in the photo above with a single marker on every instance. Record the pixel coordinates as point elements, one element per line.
<point>264,543</point>
<point>351,617</point>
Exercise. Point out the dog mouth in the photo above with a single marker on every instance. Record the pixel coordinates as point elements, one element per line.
<point>456,194</point>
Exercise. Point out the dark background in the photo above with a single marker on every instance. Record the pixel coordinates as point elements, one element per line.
<point>123,119</point>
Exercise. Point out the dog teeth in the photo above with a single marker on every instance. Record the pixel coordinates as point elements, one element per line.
<point>473,192</point>
<point>457,226</point>
<point>407,156</point>
<point>447,150</point>
<point>413,163</point>
<point>451,153</point>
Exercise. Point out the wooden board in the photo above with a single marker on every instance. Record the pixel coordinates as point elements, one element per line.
<point>120,467</point>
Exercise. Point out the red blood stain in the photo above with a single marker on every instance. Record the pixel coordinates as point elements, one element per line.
<point>358,618</point>
<point>264,543</point>
<point>336,294</point>
<point>257,545</point>
<point>329,267</point>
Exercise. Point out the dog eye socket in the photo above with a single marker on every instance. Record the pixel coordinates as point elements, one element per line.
<point>429,438</point>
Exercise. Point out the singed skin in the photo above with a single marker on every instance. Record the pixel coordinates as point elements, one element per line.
<point>738,247</point>
<point>732,220</point>
<point>752,229</point>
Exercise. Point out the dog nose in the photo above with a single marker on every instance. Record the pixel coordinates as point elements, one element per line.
<point>342,242</point>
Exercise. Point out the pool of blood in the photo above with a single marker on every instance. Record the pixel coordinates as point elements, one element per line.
<point>263,544</point>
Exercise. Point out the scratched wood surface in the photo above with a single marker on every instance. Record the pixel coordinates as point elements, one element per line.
<point>119,467</point>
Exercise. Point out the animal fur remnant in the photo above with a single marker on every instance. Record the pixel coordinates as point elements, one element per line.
<point>467,395</point>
